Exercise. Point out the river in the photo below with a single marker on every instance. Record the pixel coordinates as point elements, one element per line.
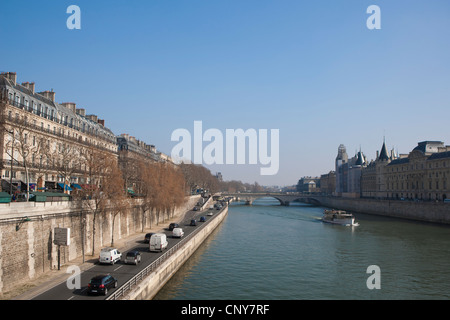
<point>272,252</point>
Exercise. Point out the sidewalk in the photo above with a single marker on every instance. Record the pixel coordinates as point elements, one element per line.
<point>54,277</point>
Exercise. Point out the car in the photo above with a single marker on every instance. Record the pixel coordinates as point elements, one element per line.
<point>195,209</point>
<point>101,284</point>
<point>177,233</point>
<point>210,213</point>
<point>193,222</point>
<point>147,237</point>
<point>202,219</point>
<point>173,226</point>
<point>109,255</point>
<point>133,257</point>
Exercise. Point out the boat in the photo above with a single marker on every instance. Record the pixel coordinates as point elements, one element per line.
<point>339,217</point>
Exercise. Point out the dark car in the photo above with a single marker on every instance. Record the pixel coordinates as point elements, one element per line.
<point>195,208</point>
<point>193,222</point>
<point>147,237</point>
<point>202,219</point>
<point>173,226</point>
<point>101,284</point>
<point>133,257</point>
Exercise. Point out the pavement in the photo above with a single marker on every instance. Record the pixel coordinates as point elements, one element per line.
<point>52,278</point>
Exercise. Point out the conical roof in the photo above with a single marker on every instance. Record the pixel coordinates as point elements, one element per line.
<point>383,154</point>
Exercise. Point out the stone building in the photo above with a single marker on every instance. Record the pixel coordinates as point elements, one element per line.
<point>45,135</point>
<point>309,185</point>
<point>373,181</point>
<point>348,173</point>
<point>328,183</point>
<point>422,175</point>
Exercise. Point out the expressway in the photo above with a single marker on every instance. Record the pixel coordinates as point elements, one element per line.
<point>121,271</point>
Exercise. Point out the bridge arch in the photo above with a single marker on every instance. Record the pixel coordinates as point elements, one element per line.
<point>284,199</point>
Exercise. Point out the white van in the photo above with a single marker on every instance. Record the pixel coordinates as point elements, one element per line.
<point>158,242</point>
<point>177,233</point>
<point>109,255</point>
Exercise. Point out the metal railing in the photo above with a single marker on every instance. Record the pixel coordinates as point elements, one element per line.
<point>127,286</point>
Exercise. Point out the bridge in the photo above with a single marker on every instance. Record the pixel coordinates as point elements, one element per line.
<point>284,198</point>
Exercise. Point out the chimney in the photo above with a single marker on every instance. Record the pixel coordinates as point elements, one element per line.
<point>70,105</point>
<point>29,85</point>
<point>11,76</point>
<point>92,117</point>
<point>81,112</point>
<point>48,94</point>
<point>101,121</point>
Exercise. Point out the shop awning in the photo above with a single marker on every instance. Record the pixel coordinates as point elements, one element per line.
<point>67,187</point>
<point>76,186</point>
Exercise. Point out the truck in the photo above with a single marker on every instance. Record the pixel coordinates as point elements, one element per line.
<point>158,242</point>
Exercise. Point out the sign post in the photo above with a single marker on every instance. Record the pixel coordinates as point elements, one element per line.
<point>61,237</point>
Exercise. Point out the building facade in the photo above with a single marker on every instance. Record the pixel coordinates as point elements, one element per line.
<point>42,142</point>
<point>423,175</point>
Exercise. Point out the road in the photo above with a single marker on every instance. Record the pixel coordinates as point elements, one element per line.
<point>121,271</point>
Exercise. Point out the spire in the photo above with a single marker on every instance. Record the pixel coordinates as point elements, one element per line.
<point>383,154</point>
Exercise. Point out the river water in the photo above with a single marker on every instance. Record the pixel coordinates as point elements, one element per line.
<point>272,252</point>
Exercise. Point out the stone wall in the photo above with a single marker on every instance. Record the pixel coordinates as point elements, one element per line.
<point>437,212</point>
<point>26,247</point>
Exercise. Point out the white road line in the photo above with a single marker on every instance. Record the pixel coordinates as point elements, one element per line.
<point>71,297</point>
<point>117,268</point>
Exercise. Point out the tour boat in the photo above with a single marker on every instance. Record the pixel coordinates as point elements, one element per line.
<point>339,217</point>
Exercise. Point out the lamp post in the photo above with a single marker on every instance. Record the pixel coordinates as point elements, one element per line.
<point>12,160</point>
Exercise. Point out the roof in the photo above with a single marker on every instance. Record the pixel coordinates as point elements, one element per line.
<point>439,155</point>
<point>383,154</point>
<point>399,161</point>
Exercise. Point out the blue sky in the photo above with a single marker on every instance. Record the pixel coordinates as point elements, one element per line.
<point>311,69</point>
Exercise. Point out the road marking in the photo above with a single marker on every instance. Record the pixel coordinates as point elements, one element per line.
<point>71,297</point>
<point>117,268</point>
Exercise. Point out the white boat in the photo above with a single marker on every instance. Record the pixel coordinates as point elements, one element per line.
<point>339,217</point>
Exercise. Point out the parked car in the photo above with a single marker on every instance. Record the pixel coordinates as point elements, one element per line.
<point>195,208</point>
<point>101,284</point>
<point>193,222</point>
<point>202,219</point>
<point>177,233</point>
<point>147,237</point>
<point>133,257</point>
<point>173,226</point>
<point>158,242</point>
<point>109,255</point>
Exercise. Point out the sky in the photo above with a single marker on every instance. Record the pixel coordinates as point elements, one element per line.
<point>311,69</point>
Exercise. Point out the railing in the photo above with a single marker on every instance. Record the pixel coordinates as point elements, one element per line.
<point>127,286</point>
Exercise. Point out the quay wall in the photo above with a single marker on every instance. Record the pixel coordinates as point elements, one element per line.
<point>27,250</point>
<point>436,212</point>
<point>150,285</point>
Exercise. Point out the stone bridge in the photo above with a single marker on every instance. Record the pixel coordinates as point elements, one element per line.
<point>284,198</point>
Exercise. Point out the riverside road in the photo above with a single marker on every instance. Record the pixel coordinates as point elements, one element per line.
<point>121,271</point>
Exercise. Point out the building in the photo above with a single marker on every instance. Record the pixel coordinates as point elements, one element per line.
<point>309,185</point>
<point>328,183</point>
<point>348,173</point>
<point>421,175</point>
<point>373,180</point>
<point>42,142</point>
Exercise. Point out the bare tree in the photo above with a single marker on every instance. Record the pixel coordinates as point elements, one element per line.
<point>22,147</point>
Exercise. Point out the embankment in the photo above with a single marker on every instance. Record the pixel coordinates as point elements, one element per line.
<point>152,283</point>
<point>27,250</point>
<point>436,212</point>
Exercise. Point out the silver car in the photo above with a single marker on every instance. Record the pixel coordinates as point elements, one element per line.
<point>133,257</point>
